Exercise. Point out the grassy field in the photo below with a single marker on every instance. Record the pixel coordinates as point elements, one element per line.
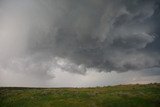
<point>111,96</point>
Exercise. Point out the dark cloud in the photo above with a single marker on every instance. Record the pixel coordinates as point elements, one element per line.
<point>73,35</point>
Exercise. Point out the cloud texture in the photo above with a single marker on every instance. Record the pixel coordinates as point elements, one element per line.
<point>40,37</point>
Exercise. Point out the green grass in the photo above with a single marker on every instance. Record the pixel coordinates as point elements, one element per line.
<point>111,96</point>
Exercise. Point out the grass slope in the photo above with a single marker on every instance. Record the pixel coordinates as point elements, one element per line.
<point>111,96</point>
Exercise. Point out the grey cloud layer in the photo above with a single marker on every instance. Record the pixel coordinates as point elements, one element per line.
<point>73,35</point>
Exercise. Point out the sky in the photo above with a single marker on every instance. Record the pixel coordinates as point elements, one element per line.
<point>79,43</point>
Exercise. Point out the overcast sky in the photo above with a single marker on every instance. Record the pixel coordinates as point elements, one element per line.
<point>79,43</point>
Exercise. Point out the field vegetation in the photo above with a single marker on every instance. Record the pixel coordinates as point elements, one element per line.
<point>111,96</point>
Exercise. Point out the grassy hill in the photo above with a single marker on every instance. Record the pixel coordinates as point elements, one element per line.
<point>111,96</point>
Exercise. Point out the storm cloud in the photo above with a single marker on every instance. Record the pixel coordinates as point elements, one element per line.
<point>38,38</point>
